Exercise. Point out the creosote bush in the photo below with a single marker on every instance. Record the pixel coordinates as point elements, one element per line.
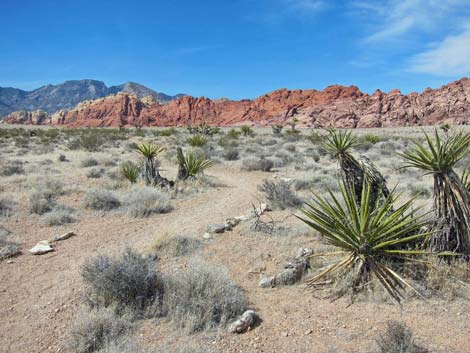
<point>202,297</point>
<point>279,194</point>
<point>101,200</point>
<point>94,330</point>
<point>89,162</point>
<point>6,207</point>
<point>129,282</point>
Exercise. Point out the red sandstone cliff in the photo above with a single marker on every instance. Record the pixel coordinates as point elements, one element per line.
<point>334,106</point>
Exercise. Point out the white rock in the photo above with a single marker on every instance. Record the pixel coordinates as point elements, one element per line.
<point>43,247</point>
<point>266,282</point>
<point>244,323</point>
<point>64,236</point>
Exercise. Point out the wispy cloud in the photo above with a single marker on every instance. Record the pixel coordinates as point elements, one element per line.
<point>447,58</point>
<point>395,19</point>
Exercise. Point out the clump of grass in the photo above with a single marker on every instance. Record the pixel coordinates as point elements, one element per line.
<point>197,140</point>
<point>202,297</point>
<point>178,245</point>
<point>94,330</point>
<point>59,217</point>
<point>279,194</point>
<point>89,162</point>
<point>130,171</point>
<point>398,338</point>
<point>257,164</point>
<point>128,282</point>
<point>101,200</point>
<point>143,202</point>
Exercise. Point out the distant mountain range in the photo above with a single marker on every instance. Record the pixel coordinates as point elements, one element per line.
<point>51,98</point>
<point>335,106</point>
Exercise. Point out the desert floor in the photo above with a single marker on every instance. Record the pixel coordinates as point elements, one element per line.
<point>41,295</point>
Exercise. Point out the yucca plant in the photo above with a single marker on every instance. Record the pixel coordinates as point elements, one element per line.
<point>191,164</point>
<point>451,198</point>
<point>370,240</point>
<point>339,145</point>
<point>130,171</point>
<point>197,140</point>
<point>149,152</point>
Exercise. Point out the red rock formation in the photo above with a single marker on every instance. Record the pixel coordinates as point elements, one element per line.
<point>334,106</point>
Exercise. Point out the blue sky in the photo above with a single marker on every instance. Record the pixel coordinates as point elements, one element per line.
<point>238,48</point>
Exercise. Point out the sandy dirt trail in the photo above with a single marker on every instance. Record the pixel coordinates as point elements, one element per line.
<point>40,294</point>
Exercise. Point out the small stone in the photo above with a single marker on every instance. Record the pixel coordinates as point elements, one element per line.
<point>308,332</point>
<point>267,282</point>
<point>207,236</point>
<point>285,334</point>
<point>64,236</point>
<point>244,323</point>
<point>41,248</point>
<point>304,252</point>
<point>216,228</point>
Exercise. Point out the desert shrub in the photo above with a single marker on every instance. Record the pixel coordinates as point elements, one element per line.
<point>447,280</point>
<point>192,163</point>
<point>90,141</point>
<point>101,200</point>
<point>89,162</point>
<point>196,140</point>
<point>397,338</point>
<point>127,346</point>
<point>58,217</point>
<point>202,297</point>
<point>246,130</point>
<point>371,138</point>
<point>323,183</point>
<point>365,255</point>
<point>128,282</point>
<point>290,147</point>
<point>6,207</point>
<point>178,245</point>
<point>62,158</point>
<point>166,132</point>
<point>130,171</point>
<point>277,129</point>
<point>12,168</point>
<point>279,194</point>
<point>287,158</point>
<point>143,202</point>
<point>231,154</point>
<point>226,142</point>
<point>233,134</point>
<point>252,164</point>
<point>95,173</point>
<point>93,330</point>
<point>7,248</point>
<point>40,202</point>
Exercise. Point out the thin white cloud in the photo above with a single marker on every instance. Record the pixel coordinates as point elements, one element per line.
<point>447,58</point>
<point>393,19</point>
